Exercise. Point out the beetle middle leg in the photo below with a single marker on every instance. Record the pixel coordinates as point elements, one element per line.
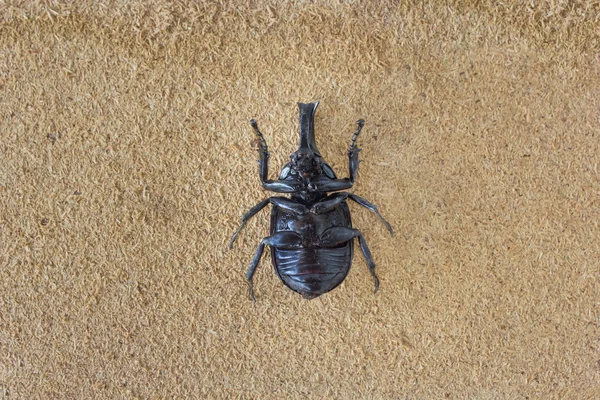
<point>371,207</point>
<point>338,235</point>
<point>281,240</point>
<point>333,200</point>
<point>251,213</point>
<point>281,202</point>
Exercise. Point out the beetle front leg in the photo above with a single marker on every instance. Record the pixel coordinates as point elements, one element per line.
<point>353,151</point>
<point>277,186</point>
<point>263,162</point>
<point>323,184</point>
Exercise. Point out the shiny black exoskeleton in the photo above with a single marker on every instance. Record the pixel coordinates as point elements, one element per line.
<point>311,232</point>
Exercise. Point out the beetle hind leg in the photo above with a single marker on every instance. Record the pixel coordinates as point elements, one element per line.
<point>284,239</point>
<point>337,235</point>
<point>369,259</point>
<point>252,269</point>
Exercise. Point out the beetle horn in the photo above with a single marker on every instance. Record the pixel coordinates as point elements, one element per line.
<point>307,127</point>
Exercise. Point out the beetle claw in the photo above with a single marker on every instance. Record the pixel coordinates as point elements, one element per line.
<point>251,292</point>
<point>389,227</point>
<point>375,279</point>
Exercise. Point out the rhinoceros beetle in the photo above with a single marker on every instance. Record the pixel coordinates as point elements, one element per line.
<point>311,235</point>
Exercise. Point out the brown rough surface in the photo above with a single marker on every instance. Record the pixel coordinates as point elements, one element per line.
<point>127,161</point>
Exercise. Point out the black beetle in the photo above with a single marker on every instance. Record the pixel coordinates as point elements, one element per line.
<point>311,232</point>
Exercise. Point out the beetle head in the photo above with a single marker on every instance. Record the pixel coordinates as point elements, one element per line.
<point>307,128</point>
<point>307,162</point>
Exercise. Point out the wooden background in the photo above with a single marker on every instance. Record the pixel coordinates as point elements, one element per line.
<point>126,161</point>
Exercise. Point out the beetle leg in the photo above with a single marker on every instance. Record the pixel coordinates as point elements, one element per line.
<point>263,162</point>
<point>329,203</point>
<point>359,125</point>
<point>324,184</point>
<point>353,151</point>
<point>252,269</point>
<point>332,185</point>
<point>284,240</point>
<point>251,213</point>
<point>371,207</point>
<point>282,202</point>
<point>338,235</point>
<point>369,259</point>
<point>278,186</point>
<point>289,205</point>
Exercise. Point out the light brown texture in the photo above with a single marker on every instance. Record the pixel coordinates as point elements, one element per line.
<point>127,162</point>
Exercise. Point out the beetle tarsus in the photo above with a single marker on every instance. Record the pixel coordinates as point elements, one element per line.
<point>359,125</point>
<point>368,258</point>
<point>253,265</point>
<point>263,142</point>
<point>353,151</point>
<point>251,291</point>
<point>375,279</point>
